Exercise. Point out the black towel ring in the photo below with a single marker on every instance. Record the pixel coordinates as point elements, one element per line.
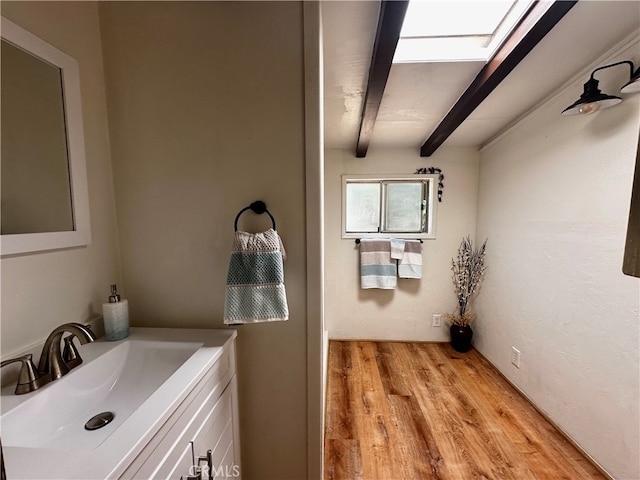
<point>257,207</point>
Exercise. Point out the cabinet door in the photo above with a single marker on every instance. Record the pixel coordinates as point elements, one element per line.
<point>211,429</point>
<point>216,434</point>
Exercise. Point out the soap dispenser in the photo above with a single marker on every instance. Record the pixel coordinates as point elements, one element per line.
<point>115,315</point>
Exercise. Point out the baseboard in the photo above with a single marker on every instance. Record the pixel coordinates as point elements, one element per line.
<point>325,367</point>
<point>331,339</point>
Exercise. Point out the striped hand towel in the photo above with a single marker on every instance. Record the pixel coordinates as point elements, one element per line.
<point>410,265</point>
<point>397,248</point>
<point>255,282</point>
<point>377,268</point>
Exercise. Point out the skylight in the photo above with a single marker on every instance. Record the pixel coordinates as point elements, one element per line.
<point>456,30</point>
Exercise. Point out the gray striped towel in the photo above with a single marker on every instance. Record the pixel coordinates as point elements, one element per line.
<point>410,265</point>
<point>377,268</point>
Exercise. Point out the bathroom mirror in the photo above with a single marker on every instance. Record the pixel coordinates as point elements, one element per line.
<point>44,196</point>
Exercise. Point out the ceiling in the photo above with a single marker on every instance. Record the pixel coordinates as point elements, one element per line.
<point>418,95</point>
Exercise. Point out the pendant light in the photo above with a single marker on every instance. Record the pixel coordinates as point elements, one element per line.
<point>592,99</point>
<point>633,85</point>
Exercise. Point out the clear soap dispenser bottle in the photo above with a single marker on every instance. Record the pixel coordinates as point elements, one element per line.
<point>115,315</point>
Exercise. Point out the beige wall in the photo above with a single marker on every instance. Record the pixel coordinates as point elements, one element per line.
<point>206,110</point>
<point>554,200</point>
<point>404,313</point>
<point>43,290</point>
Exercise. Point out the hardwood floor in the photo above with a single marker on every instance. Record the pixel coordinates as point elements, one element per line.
<point>424,411</point>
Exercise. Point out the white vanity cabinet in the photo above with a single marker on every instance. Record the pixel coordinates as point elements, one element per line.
<point>168,389</point>
<point>203,431</point>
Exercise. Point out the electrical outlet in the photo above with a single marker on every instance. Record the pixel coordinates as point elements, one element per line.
<point>437,320</point>
<point>515,357</point>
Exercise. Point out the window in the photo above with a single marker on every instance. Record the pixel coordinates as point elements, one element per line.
<point>470,30</point>
<point>390,205</point>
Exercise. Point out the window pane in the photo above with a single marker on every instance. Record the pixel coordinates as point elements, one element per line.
<point>363,207</point>
<point>404,207</point>
<point>443,18</point>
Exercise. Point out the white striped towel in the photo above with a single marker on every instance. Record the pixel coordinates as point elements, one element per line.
<point>377,268</point>
<point>410,265</point>
<point>255,282</point>
<point>397,248</point>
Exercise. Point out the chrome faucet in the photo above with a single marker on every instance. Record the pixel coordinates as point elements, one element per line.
<point>51,361</point>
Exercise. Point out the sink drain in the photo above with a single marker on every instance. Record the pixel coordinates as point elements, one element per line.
<point>99,421</point>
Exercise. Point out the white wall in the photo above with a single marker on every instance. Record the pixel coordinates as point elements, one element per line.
<point>554,199</point>
<point>404,313</point>
<point>206,110</point>
<point>41,291</point>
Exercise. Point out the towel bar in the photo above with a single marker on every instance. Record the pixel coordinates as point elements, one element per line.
<point>358,240</point>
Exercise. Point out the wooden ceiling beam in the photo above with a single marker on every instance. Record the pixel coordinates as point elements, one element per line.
<point>387,35</point>
<point>538,21</point>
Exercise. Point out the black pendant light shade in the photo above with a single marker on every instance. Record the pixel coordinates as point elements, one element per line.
<point>591,100</point>
<point>632,85</point>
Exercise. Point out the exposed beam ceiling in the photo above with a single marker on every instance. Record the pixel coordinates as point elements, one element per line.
<point>418,96</point>
<point>389,25</point>
<point>539,21</point>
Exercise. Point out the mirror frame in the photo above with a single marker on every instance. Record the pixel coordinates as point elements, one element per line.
<point>81,235</point>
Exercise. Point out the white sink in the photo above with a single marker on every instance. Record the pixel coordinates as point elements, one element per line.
<point>142,380</point>
<point>118,381</point>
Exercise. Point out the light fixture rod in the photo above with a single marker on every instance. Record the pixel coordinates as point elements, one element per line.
<point>628,62</point>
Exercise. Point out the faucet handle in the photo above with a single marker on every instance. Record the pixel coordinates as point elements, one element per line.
<point>29,379</point>
<point>70,353</point>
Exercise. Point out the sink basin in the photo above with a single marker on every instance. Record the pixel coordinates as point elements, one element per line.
<point>142,380</point>
<point>117,381</point>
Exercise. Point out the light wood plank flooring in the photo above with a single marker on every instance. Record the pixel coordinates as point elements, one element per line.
<point>423,411</point>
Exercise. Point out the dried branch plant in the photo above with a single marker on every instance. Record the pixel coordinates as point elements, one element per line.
<point>468,271</point>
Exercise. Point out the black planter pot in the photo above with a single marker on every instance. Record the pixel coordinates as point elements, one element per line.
<point>461,337</point>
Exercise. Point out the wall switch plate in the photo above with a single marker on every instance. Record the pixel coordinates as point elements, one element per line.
<point>515,357</point>
<point>437,320</point>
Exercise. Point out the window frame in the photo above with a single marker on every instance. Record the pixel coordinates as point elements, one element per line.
<point>431,181</point>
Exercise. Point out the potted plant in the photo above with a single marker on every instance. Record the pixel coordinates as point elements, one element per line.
<point>468,271</point>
